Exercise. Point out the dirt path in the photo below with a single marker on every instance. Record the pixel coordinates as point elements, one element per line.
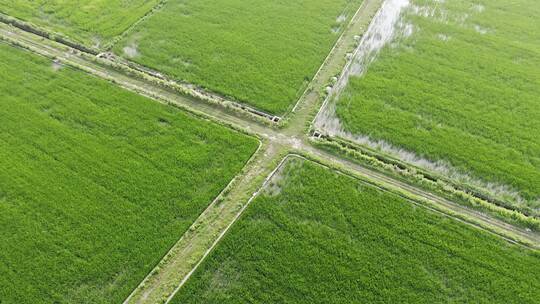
<point>158,6</point>
<point>308,105</point>
<point>185,256</point>
<point>444,205</point>
<point>212,224</point>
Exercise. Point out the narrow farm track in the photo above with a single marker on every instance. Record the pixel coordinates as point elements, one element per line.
<point>480,219</point>
<point>207,230</point>
<point>311,100</point>
<point>176,267</point>
<point>156,7</point>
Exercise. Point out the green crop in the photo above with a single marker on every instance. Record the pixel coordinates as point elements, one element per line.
<point>463,88</point>
<point>91,22</point>
<point>96,183</point>
<point>258,52</point>
<point>318,236</point>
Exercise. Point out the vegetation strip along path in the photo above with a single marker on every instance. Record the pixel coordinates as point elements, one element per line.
<point>277,143</point>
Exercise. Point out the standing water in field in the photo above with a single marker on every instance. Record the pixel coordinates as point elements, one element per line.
<point>380,32</point>
<point>387,26</point>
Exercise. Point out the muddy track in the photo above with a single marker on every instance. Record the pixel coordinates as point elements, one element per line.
<point>212,225</point>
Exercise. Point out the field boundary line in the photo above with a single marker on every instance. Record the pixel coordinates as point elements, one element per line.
<point>167,255</point>
<point>198,92</point>
<point>423,199</point>
<point>474,190</point>
<point>154,88</point>
<point>427,174</point>
<point>46,33</point>
<point>127,66</point>
<point>507,230</point>
<point>232,121</point>
<point>204,95</point>
<point>224,232</point>
<point>147,15</point>
<point>330,54</point>
<point>423,202</point>
<point>345,68</point>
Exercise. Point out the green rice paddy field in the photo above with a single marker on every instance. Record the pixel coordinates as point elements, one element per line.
<point>96,183</point>
<point>464,88</point>
<point>90,22</point>
<point>259,52</point>
<point>318,236</point>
